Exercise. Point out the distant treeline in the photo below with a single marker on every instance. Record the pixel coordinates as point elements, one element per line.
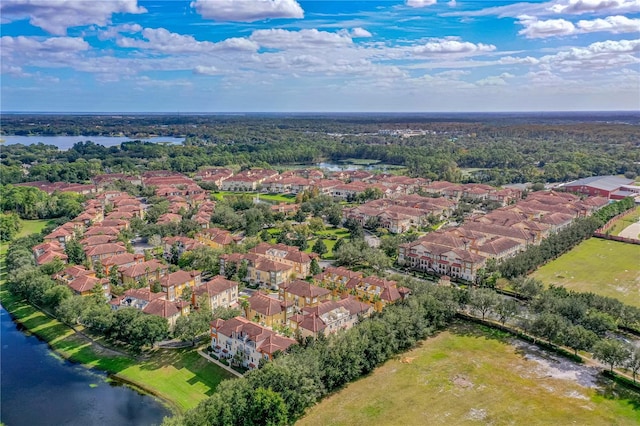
<point>498,153</point>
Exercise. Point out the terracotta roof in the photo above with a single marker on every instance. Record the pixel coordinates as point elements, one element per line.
<point>141,268</point>
<point>86,283</point>
<point>164,308</point>
<point>304,289</point>
<point>178,277</point>
<point>265,305</point>
<point>215,286</point>
<point>99,250</point>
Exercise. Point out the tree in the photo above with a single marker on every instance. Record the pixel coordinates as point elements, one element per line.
<point>550,326</point>
<point>73,249</point>
<point>314,269</point>
<point>146,330</point>
<point>267,408</point>
<point>505,309</point>
<point>186,294</point>
<point>265,235</point>
<point>611,352</point>
<point>316,224</point>
<point>225,313</point>
<point>527,287</point>
<point>633,361</point>
<point>319,247</point>
<point>579,338</point>
<point>10,225</point>
<point>189,328</point>
<point>483,300</point>
<point>55,295</point>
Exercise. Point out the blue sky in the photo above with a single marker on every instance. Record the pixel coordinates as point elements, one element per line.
<point>307,56</point>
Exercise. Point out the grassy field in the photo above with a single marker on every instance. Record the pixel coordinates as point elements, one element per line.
<point>608,268</point>
<point>451,380</point>
<point>278,198</point>
<point>28,227</point>
<point>628,219</point>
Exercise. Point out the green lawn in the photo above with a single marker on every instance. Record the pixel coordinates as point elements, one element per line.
<point>28,227</point>
<point>628,219</point>
<point>463,377</point>
<point>278,198</point>
<point>604,267</point>
<point>32,227</point>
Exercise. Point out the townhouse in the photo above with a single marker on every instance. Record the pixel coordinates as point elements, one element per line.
<point>329,317</point>
<point>219,292</point>
<point>246,342</point>
<point>174,284</point>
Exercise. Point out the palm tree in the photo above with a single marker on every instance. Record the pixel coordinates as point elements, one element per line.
<point>244,304</point>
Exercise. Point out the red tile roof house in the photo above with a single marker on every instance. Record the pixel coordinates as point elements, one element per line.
<point>96,240</point>
<point>61,235</point>
<point>169,218</point>
<point>215,237</point>
<point>219,292</point>
<point>153,304</point>
<point>101,230</point>
<point>174,284</point>
<point>85,284</point>
<point>100,252</point>
<point>121,261</point>
<point>288,255</point>
<point>329,317</point>
<point>151,270</point>
<point>48,252</point>
<point>249,340</point>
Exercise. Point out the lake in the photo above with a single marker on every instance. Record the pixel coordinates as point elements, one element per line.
<point>66,142</point>
<point>39,388</point>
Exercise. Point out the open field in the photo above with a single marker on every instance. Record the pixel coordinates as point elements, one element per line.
<point>604,267</point>
<point>28,227</point>
<point>628,219</point>
<point>277,198</point>
<point>452,379</point>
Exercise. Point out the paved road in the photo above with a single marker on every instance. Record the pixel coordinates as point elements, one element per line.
<point>631,231</point>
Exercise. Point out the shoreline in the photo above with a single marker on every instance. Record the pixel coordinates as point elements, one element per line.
<point>14,305</point>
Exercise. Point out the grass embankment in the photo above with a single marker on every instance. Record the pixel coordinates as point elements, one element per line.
<point>604,267</point>
<point>467,376</point>
<point>626,220</point>
<point>181,377</point>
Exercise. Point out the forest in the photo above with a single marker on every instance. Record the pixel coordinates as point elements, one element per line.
<point>494,150</point>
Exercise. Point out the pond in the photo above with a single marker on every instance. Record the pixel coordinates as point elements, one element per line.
<point>39,388</point>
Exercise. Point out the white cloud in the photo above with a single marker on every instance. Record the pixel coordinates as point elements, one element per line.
<point>596,56</point>
<point>451,47</point>
<point>527,60</point>
<point>555,7</point>
<point>613,24</point>
<point>420,3</point>
<point>561,27</point>
<point>452,3</point>
<point>303,39</point>
<point>162,40</point>
<point>206,70</point>
<point>32,45</point>
<point>55,16</point>
<point>360,33</point>
<point>542,29</point>
<point>578,7</point>
<point>247,10</point>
